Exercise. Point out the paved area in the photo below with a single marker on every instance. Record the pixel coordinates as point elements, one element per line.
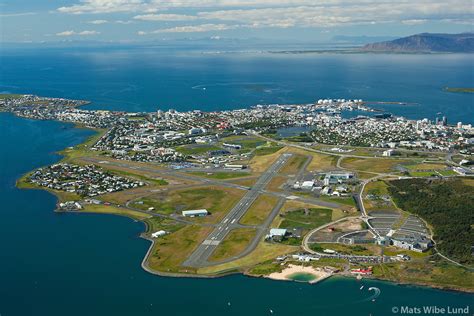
<point>200,256</point>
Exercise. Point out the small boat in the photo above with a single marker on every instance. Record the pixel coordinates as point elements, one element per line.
<point>228,303</point>
<point>361,287</point>
<point>271,311</point>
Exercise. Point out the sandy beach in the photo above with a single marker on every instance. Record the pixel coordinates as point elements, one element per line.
<point>292,269</point>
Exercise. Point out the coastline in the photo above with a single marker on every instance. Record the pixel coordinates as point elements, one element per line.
<point>144,262</point>
<point>290,271</point>
<point>22,185</point>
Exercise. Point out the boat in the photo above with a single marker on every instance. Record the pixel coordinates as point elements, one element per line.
<point>361,287</point>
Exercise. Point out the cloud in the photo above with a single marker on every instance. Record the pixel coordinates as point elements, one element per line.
<point>81,33</point>
<point>282,13</point>
<point>414,22</point>
<point>7,15</point>
<point>354,13</point>
<point>123,22</point>
<point>104,6</point>
<point>165,17</point>
<point>192,29</point>
<point>97,22</point>
<point>149,6</point>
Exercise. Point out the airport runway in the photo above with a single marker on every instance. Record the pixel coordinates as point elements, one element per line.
<point>190,177</point>
<point>200,256</point>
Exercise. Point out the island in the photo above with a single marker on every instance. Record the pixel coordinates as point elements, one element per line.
<point>459,90</point>
<point>289,192</point>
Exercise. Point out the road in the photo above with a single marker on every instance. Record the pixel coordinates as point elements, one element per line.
<point>199,258</point>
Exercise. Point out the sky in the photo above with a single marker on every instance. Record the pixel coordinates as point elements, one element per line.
<point>298,20</point>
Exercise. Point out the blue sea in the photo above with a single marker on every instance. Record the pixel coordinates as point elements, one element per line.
<point>149,78</point>
<point>76,264</point>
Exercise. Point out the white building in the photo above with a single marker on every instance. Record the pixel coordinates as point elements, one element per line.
<point>307,185</point>
<point>158,234</point>
<point>389,153</point>
<point>195,213</point>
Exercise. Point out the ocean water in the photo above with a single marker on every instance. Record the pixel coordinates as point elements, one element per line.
<point>76,264</point>
<point>147,79</point>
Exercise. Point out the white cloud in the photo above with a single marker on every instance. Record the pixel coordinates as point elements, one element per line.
<point>86,33</point>
<point>81,33</point>
<point>283,13</point>
<point>336,15</point>
<point>192,29</point>
<point>7,15</point>
<point>414,22</point>
<point>123,22</point>
<point>97,22</point>
<point>66,33</point>
<point>104,6</point>
<point>165,17</point>
<point>150,6</point>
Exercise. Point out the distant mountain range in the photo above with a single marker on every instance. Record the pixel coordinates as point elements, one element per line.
<point>426,42</point>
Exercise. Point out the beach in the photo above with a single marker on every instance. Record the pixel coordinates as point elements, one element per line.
<point>292,272</point>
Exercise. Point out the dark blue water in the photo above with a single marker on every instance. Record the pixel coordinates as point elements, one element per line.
<point>146,79</point>
<point>65,264</point>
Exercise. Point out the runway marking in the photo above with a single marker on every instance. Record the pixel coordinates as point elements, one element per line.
<point>209,242</point>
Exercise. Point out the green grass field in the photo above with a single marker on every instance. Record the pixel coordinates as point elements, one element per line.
<point>349,201</point>
<point>259,210</point>
<point>423,173</point>
<point>196,149</point>
<point>160,206</point>
<point>262,151</point>
<point>158,223</point>
<point>235,242</point>
<point>170,251</point>
<point>381,165</point>
<point>427,272</point>
<point>104,209</point>
<point>447,173</point>
<point>294,164</point>
<point>247,142</point>
<point>364,250</point>
<point>314,217</point>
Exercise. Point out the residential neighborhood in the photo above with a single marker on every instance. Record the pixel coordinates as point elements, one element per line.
<point>85,181</point>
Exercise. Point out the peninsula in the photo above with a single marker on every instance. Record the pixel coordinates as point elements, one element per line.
<point>291,192</point>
